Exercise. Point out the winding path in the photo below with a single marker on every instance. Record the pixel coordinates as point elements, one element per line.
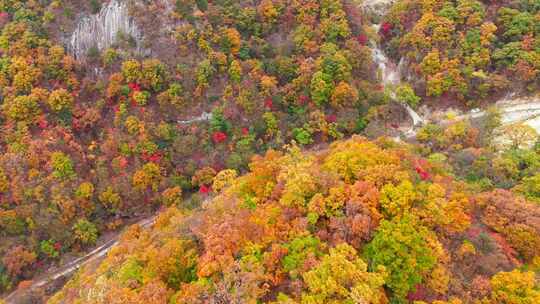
<point>525,110</point>
<point>93,255</point>
<point>517,110</point>
<point>203,117</point>
<point>74,265</point>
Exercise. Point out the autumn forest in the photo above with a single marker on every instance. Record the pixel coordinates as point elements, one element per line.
<point>270,151</point>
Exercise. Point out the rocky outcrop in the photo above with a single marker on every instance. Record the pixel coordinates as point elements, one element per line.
<point>102,29</point>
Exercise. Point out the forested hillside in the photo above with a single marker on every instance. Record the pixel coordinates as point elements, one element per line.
<point>237,122</point>
<point>360,222</point>
<point>466,50</point>
<point>82,151</point>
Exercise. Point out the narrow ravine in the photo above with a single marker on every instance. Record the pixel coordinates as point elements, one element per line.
<point>390,72</point>
<point>513,109</point>
<point>96,253</point>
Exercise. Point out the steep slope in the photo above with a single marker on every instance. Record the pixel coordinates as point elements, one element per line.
<point>359,222</point>
<point>96,135</point>
<point>113,109</point>
<point>467,51</point>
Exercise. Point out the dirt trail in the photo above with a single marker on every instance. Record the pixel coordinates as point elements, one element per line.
<point>96,253</point>
<point>513,110</point>
<point>74,265</point>
<point>203,117</point>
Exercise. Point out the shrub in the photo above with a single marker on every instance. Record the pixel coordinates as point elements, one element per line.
<point>10,223</point>
<point>173,96</point>
<point>513,287</point>
<point>401,246</point>
<point>203,176</point>
<point>17,259</point>
<point>110,56</point>
<point>202,4</point>
<point>141,97</point>
<point>60,100</point>
<point>175,262</point>
<point>21,108</point>
<point>405,94</point>
<point>154,74</point>
<point>343,277</point>
<point>321,88</point>
<point>298,251</point>
<point>204,72</point>
<point>5,282</point>
<point>219,137</point>
<point>148,176</point>
<point>131,70</point>
<point>302,136</point>
<point>230,40</point>
<point>219,123</point>
<point>62,166</point>
<point>85,232</point>
<point>85,190</point>
<point>397,200</point>
<point>530,188</point>
<point>4,182</point>
<point>235,71</point>
<point>344,95</point>
<point>95,6</point>
<point>223,179</point>
<point>49,248</point>
<point>110,199</point>
<point>130,272</point>
<point>132,124</point>
<point>172,196</point>
<point>93,53</point>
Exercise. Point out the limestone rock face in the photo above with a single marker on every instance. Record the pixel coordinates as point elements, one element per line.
<point>102,29</point>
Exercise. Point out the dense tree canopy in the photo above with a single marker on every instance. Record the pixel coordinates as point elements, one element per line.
<point>238,121</point>
<point>90,142</point>
<point>311,227</point>
<point>468,49</point>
